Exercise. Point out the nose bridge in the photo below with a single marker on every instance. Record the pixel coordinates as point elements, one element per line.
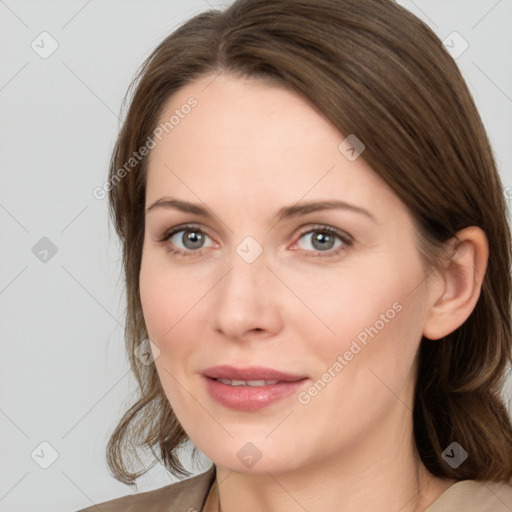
<point>247,261</point>
<point>243,285</point>
<point>243,280</point>
<point>245,299</point>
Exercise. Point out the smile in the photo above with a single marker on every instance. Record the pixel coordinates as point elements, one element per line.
<point>252,388</point>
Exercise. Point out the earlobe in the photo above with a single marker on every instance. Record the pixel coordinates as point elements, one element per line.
<point>452,301</point>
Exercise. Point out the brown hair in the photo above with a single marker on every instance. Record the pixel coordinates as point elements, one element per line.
<point>372,69</point>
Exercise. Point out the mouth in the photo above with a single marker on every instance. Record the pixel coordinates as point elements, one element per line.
<point>250,389</point>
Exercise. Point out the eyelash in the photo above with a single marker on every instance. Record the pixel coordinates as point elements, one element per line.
<point>319,228</point>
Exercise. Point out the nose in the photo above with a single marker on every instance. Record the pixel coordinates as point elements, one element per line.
<point>246,301</point>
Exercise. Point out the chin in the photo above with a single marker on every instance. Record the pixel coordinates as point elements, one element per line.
<point>260,456</point>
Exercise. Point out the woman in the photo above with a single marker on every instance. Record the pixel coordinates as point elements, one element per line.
<point>316,252</point>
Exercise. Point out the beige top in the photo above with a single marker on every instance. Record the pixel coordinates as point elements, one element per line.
<point>200,494</point>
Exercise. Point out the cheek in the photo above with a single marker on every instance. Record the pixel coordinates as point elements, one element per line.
<point>174,305</point>
<point>364,371</point>
<point>165,303</point>
<point>350,304</point>
<point>166,296</point>
<point>154,296</point>
<point>368,314</point>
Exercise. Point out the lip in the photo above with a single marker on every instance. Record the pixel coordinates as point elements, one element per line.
<point>249,373</point>
<point>250,398</point>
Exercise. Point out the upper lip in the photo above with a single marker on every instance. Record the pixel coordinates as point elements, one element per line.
<point>249,373</point>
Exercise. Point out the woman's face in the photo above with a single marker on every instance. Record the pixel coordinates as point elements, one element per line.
<point>268,278</point>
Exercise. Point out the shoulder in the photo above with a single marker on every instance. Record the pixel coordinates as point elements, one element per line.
<point>475,496</point>
<point>186,495</point>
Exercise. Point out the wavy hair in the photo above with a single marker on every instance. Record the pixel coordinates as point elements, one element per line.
<point>371,68</point>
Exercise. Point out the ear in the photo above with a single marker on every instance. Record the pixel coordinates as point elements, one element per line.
<point>455,292</point>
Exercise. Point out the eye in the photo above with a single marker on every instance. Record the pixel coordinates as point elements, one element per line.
<point>325,241</point>
<point>321,240</point>
<point>186,240</point>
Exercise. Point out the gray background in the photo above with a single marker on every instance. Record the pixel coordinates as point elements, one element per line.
<point>64,373</point>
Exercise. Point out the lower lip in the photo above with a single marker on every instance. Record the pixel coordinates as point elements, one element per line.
<point>251,398</point>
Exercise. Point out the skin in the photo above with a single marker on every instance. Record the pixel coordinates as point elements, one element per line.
<point>246,150</point>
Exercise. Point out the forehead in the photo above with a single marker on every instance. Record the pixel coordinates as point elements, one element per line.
<point>255,141</point>
<point>238,114</point>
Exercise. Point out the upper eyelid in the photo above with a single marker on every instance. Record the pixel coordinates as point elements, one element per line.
<point>324,227</point>
<point>184,227</point>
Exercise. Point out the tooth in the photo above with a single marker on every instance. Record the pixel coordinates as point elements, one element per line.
<point>261,382</point>
<point>255,382</point>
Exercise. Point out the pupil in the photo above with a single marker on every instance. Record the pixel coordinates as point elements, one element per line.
<point>192,239</point>
<point>323,238</point>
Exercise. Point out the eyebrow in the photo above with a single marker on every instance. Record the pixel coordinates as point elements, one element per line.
<point>287,212</point>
